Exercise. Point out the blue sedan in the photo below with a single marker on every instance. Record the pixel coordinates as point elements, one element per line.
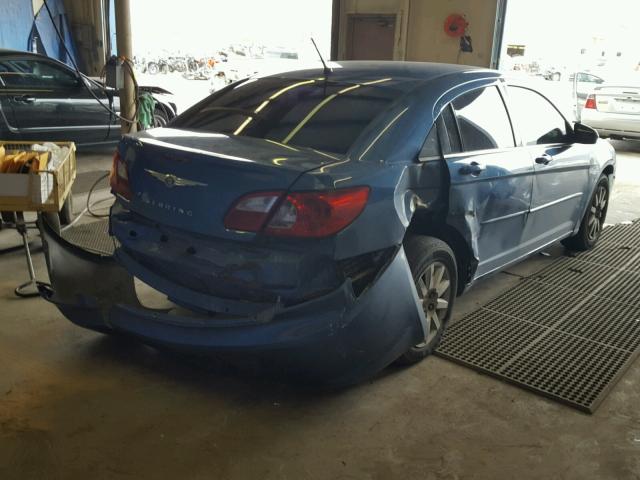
<point>326,220</point>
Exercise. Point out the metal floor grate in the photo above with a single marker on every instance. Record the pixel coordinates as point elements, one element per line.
<point>93,236</point>
<point>567,332</point>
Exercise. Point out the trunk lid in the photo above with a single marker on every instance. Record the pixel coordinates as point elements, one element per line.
<point>624,100</point>
<point>189,180</point>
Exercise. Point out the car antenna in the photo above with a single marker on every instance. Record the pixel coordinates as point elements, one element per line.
<point>327,70</point>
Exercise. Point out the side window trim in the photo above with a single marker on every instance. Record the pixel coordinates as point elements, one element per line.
<point>452,112</point>
<point>443,137</point>
<point>502,93</point>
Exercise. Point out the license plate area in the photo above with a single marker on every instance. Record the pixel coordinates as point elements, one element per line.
<point>627,105</point>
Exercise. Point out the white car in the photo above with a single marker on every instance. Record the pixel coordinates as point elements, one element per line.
<point>614,111</point>
<point>238,67</point>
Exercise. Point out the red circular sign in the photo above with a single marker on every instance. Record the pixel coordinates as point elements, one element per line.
<point>455,25</point>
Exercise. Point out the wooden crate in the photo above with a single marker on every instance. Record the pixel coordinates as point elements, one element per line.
<point>44,191</point>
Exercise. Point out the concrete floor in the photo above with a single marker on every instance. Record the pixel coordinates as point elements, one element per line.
<point>76,404</point>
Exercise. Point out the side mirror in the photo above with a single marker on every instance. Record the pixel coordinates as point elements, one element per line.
<point>584,134</point>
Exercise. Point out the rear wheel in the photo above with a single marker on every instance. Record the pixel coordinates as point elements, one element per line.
<point>153,68</point>
<point>433,267</point>
<point>593,220</point>
<point>160,118</point>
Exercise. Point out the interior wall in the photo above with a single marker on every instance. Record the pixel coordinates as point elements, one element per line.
<point>420,32</point>
<point>384,7</point>
<point>428,41</point>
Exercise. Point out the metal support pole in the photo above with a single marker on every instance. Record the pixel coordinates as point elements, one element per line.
<point>335,29</point>
<point>498,33</point>
<point>123,39</point>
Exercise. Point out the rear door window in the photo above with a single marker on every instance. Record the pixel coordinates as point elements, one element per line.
<point>314,113</point>
<point>535,117</point>
<point>431,147</point>
<point>482,120</point>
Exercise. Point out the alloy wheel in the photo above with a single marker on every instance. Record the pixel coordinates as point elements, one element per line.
<point>433,287</point>
<point>597,213</point>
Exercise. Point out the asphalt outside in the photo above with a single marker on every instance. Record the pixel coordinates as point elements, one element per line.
<point>78,404</point>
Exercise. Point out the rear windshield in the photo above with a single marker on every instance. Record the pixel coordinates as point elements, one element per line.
<point>313,113</point>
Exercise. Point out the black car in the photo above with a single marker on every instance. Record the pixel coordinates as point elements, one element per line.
<point>43,99</point>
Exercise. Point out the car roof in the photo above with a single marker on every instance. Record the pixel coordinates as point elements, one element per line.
<point>411,72</point>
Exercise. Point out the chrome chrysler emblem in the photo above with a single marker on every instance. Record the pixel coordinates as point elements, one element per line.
<point>171,180</point>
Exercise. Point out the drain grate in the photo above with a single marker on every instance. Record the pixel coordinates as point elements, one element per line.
<point>612,255</point>
<point>568,332</point>
<point>621,234</point>
<point>93,237</point>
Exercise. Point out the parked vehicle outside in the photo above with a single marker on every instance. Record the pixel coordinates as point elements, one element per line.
<point>583,85</point>
<point>326,222</point>
<point>614,110</point>
<point>270,62</point>
<point>43,99</point>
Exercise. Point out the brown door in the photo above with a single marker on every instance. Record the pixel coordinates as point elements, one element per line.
<point>370,37</point>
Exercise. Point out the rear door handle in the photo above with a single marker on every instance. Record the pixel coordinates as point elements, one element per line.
<point>474,168</point>
<point>24,99</point>
<point>544,159</point>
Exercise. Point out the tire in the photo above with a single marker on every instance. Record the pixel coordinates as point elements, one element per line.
<point>593,220</point>
<point>160,118</point>
<point>66,213</point>
<point>153,68</point>
<point>428,256</point>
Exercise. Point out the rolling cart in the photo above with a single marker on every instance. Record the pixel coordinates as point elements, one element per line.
<point>44,192</point>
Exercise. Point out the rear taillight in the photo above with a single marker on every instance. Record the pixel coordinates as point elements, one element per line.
<point>591,102</point>
<point>119,177</point>
<point>297,214</point>
<point>250,212</point>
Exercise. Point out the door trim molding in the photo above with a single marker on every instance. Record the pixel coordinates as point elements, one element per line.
<point>555,202</point>
<point>505,217</point>
<point>69,128</point>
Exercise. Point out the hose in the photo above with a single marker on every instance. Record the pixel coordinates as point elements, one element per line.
<point>90,205</point>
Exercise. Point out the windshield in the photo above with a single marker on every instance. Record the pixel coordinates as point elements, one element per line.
<point>312,113</point>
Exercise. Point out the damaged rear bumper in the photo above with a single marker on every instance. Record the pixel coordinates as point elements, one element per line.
<point>337,338</point>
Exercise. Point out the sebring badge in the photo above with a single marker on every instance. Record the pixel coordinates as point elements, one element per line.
<point>171,181</point>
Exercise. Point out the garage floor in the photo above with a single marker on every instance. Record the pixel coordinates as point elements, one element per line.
<point>74,403</point>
